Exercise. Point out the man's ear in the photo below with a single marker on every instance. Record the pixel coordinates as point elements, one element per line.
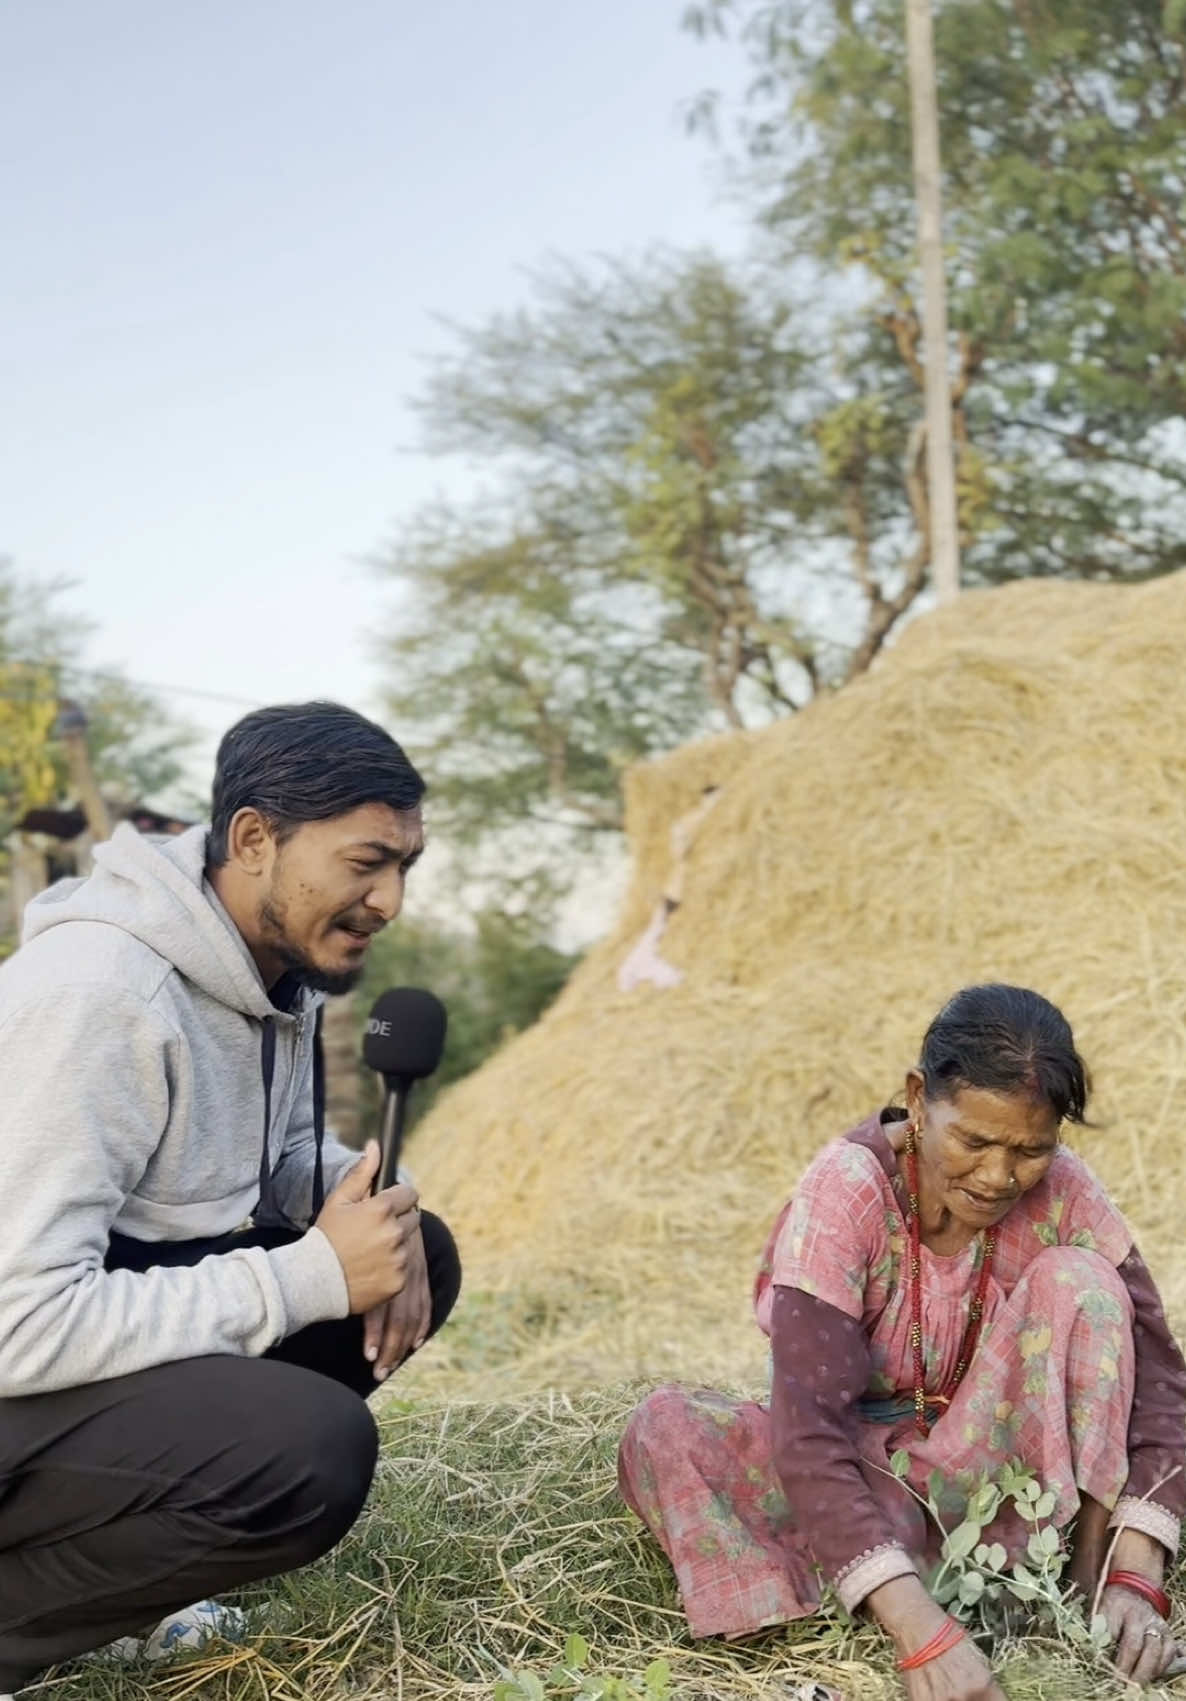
<point>250,844</point>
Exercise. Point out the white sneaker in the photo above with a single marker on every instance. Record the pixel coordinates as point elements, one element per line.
<point>193,1627</point>
<point>188,1627</point>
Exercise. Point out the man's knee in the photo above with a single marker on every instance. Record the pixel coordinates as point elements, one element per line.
<point>298,1472</point>
<point>444,1267</point>
<point>339,1450</point>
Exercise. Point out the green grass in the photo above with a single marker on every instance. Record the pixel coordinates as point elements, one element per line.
<point>492,1533</point>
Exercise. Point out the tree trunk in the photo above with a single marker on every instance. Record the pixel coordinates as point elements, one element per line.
<point>944,537</point>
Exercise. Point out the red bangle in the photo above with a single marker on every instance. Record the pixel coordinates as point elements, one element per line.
<point>946,1639</point>
<point>1141,1586</point>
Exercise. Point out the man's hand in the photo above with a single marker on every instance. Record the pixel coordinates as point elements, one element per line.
<point>372,1236</point>
<point>401,1326</point>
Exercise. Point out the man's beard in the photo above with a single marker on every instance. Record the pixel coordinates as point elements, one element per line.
<point>318,980</point>
<point>298,963</point>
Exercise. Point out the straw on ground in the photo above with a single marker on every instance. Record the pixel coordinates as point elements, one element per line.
<point>494,1533</point>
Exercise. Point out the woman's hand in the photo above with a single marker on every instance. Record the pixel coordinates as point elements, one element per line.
<point>962,1674</point>
<point>1144,1646</point>
<point>912,1618</point>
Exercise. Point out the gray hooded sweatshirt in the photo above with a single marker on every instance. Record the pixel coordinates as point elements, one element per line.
<point>144,1072</point>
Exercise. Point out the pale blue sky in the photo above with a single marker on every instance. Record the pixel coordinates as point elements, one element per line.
<point>227,228</point>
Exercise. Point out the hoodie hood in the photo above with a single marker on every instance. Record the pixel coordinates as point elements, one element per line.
<point>156,890</point>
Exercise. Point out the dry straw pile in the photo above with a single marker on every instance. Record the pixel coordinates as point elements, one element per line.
<point>1004,797</point>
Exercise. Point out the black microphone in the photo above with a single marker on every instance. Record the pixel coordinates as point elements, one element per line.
<point>405,1035</point>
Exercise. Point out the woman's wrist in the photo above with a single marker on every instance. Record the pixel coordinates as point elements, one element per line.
<point>909,1615</point>
<point>1135,1551</point>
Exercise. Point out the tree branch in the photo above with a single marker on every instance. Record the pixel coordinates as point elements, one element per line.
<point>885,612</point>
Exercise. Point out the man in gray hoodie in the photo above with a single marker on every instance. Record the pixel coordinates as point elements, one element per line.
<point>196,1283</point>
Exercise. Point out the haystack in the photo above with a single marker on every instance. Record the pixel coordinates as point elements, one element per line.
<point>1003,797</point>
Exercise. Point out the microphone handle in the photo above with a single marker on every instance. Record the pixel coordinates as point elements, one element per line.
<point>394,1116</point>
<point>386,1133</point>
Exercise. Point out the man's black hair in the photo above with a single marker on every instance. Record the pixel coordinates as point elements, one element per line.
<point>303,762</point>
<point>1006,1039</point>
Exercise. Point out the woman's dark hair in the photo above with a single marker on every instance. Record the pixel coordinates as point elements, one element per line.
<point>305,762</point>
<point>1006,1039</point>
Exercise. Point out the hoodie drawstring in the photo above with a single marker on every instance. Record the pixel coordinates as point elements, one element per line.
<point>318,1113</point>
<point>267,1063</point>
<point>267,1209</point>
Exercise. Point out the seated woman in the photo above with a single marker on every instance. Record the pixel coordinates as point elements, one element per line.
<point>952,1280</point>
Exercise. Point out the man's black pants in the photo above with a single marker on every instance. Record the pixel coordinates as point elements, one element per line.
<point>123,1500</point>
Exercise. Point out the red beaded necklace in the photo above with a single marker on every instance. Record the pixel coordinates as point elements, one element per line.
<point>975,1310</point>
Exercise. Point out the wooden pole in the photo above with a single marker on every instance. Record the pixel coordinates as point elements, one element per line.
<point>71,729</point>
<point>340,1037</point>
<point>924,111</point>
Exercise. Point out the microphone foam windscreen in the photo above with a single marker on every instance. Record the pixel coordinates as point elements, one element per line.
<point>405,1033</point>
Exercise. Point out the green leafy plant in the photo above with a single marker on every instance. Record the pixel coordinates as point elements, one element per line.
<point>974,1578</point>
<point>570,1678</point>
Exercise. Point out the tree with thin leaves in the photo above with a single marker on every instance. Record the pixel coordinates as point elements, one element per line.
<point>1064,156</point>
<point>676,457</point>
